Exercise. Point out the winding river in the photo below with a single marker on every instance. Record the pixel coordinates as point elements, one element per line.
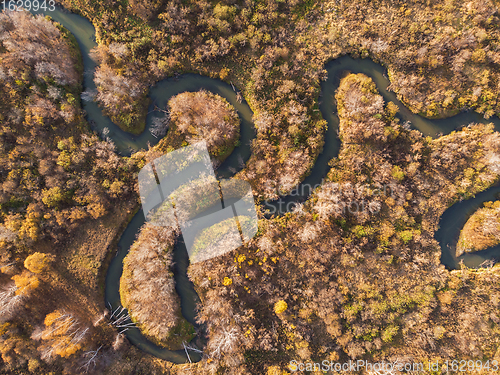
<point>450,224</point>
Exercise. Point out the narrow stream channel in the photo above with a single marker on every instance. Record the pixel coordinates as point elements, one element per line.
<point>450,224</point>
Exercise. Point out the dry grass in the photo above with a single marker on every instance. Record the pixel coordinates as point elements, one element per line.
<point>81,266</point>
<point>88,250</point>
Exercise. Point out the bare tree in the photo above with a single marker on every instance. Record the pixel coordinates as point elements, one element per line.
<point>30,40</point>
<point>159,127</point>
<point>10,302</point>
<point>205,116</point>
<point>120,318</point>
<point>63,335</point>
<point>90,358</point>
<point>224,341</point>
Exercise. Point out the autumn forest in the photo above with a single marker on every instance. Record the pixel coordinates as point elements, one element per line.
<point>368,266</point>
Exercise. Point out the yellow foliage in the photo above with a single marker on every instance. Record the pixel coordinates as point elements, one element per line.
<point>33,365</point>
<point>4,328</point>
<point>390,110</point>
<point>26,283</point>
<point>224,72</point>
<point>38,262</point>
<point>280,307</point>
<point>96,210</point>
<point>227,281</point>
<point>479,56</point>
<point>275,370</point>
<point>66,348</point>
<point>52,197</point>
<point>30,227</point>
<point>52,317</point>
<point>61,332</point>
<point>77,213</point>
